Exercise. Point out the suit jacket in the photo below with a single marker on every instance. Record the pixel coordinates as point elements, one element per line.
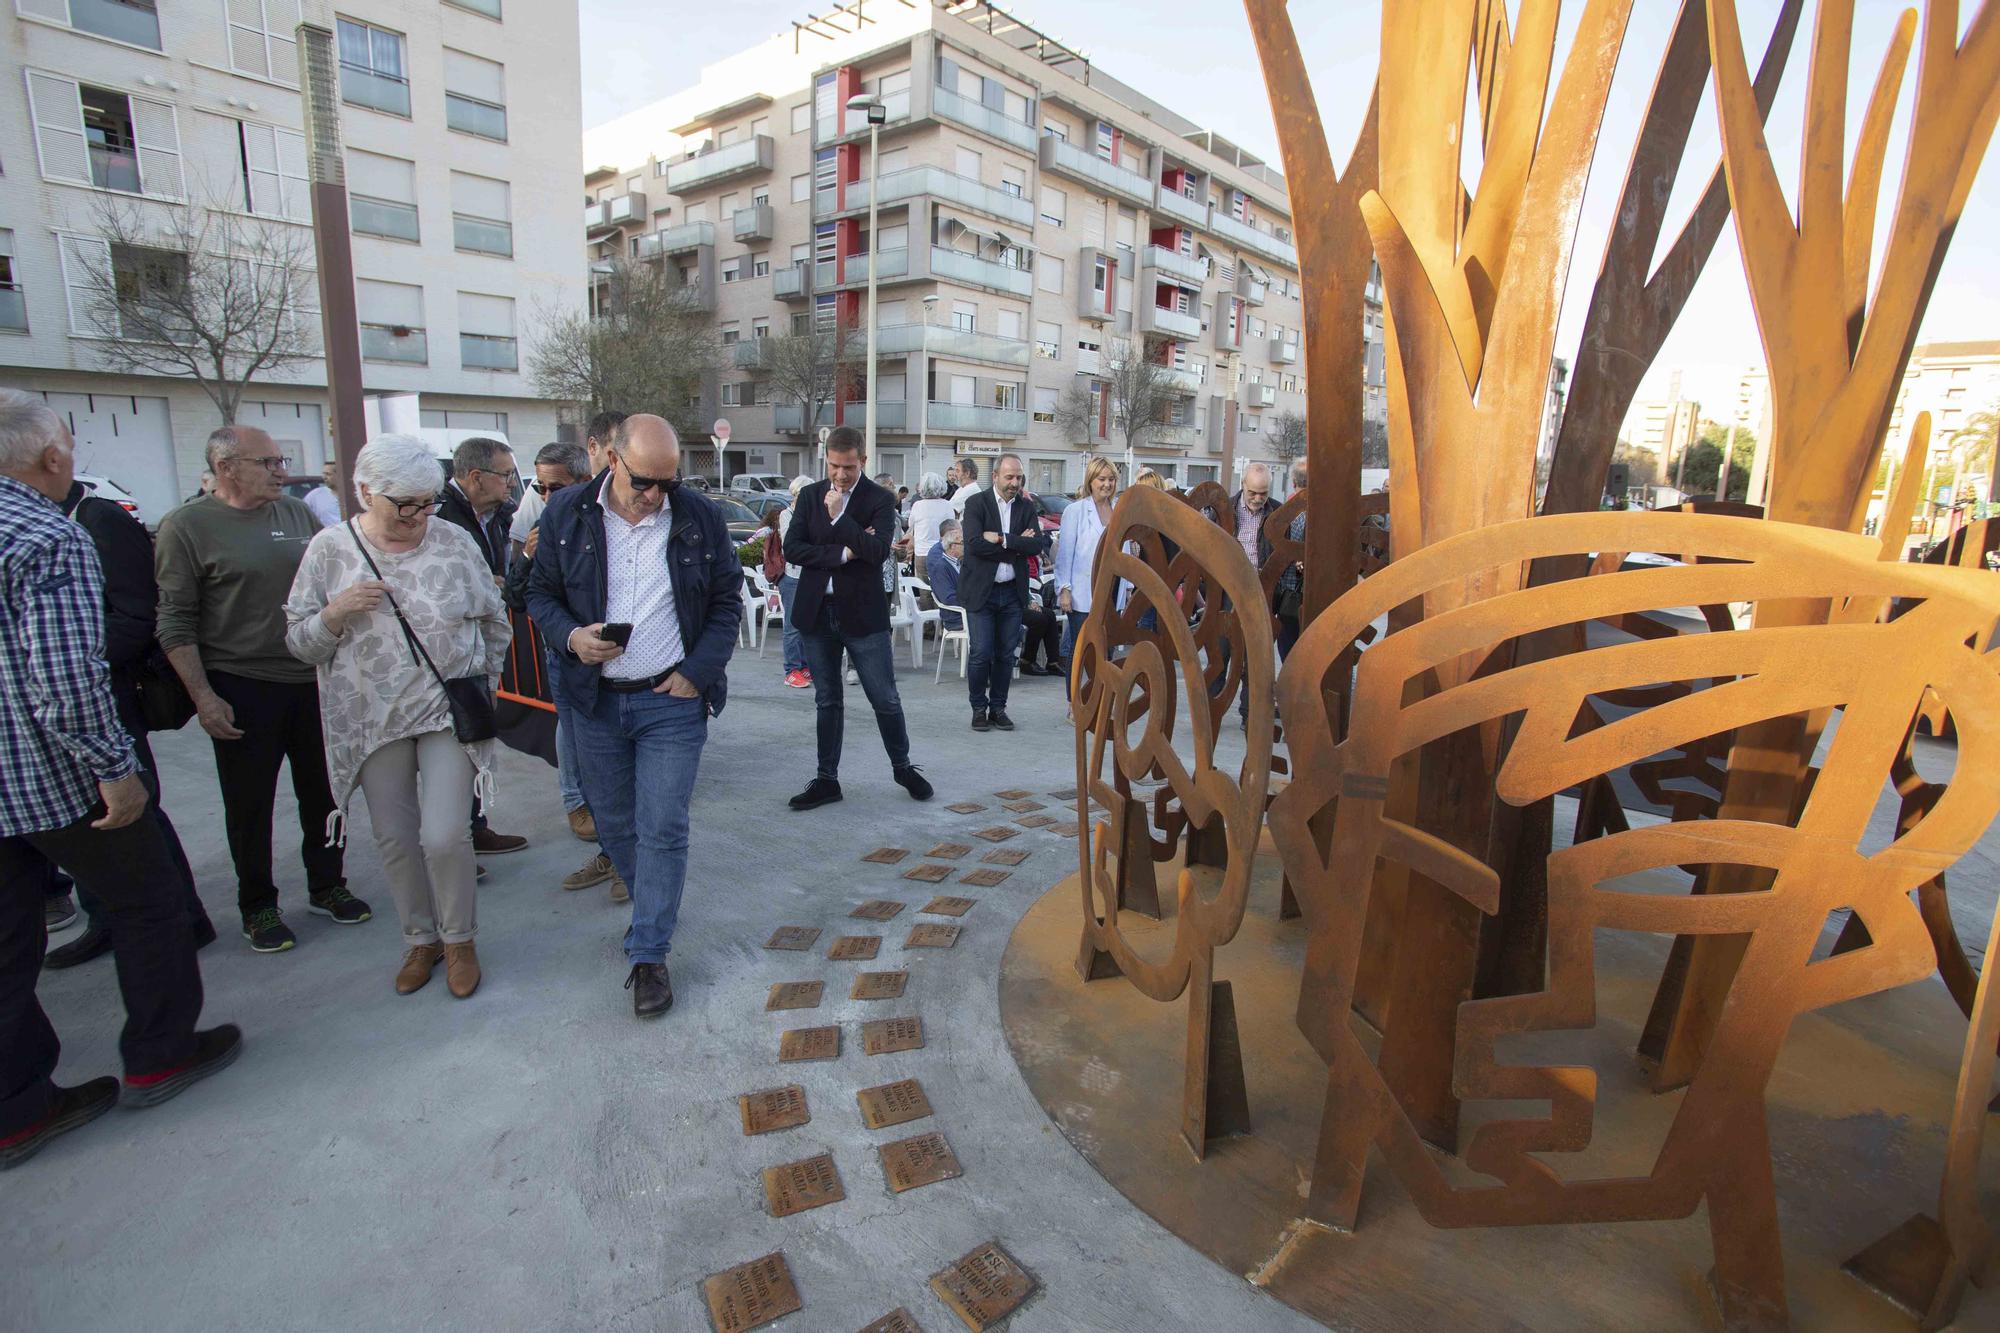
<point>490,535</point>
<point>815,543</point>
<point>983,558</point>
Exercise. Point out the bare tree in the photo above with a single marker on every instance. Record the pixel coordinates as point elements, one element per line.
<point>1287,432</point>
<point>1141,393</point>
<point>808,368</point>
<point>649,348</point>
<point>198,292</point>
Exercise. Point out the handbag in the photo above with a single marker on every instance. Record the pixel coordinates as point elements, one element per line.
<point>164,702</point>
<point>774,557</point>
<point>468,697</point>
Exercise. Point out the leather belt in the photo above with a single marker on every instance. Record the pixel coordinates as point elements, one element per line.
<point>636,684</point>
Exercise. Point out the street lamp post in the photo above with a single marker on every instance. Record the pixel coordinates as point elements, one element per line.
<point>924,392</point>
<point>876,112</point>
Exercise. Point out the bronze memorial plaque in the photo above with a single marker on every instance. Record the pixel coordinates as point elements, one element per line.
<point>928,874</point>
<point>886,1036</point>
<point>984,1287</point>
<point>895,1103</point>
<point>1022,807</point>
<point>955,906</point>
<point>1064,830</point>
<point>965,808</point>
<point>931,935</point>
<point>879,985</point>
<point>998,833</point>
<point>792,937</point>
<point>773,1109</point>
<point>887,856</point>
<point>1036,821</point>
<point>1066,794</point>
<point>809,1044</point>
<point>850,947</point>
<point>877,909</point>
<point>797,1186</point>
<point>1014,794</point>
<point>1005,856</point>
<point>751,1295</point>
<point>897,1320</point>
<point>949,851</point>
<point>923,1160</point>
<point>795,995</point>
<point>983,879</point>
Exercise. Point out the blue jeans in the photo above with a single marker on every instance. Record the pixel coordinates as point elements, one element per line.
<point>638,755</point>
<point>795,648</point>
<point>567,780</point>
<point>874,663</point>
<point>996,637</point>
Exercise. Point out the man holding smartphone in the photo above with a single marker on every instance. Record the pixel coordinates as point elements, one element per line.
<point>636,578</point>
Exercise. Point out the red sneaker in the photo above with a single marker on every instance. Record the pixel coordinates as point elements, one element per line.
<point>798,680</point>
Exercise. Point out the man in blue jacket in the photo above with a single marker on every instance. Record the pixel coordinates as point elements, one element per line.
<point>635,551</point>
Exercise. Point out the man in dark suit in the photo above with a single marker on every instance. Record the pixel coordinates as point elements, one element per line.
<point>839,538</point>
<point>1002,530</point>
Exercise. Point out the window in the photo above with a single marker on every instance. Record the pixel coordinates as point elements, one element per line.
<point>133,21</point>
<point>151,289</point>
<point>894,161</point>
<point>260,38</point>
<point>826,174</point>
<point>1252,422</point>
<point>801,324</point>
<point>732,333</point>
<point>1100,275</point>
<point>381,196</point>
<point>1048,340</point>
<point>966,163</point>
<point>113,139</point>
<point>490,8</point>
<point>271,171</point>
<point>475,96</point>
<point>1013,181</point>
<point>732,270</point>
<point>802,253</point>
<point>486,332</point>
<point>761,125</point>
<point>802,187</point>
<point>1055,206</point>
<point>1008,322</point>
<point>482,215</point>
<point>13,303</point>
<point>438,418</point>
<point>802,117</point>
<point>1059,131</point>
<point>1045,404</point>
<point>760,196</point>
<point>372,70</point>
<point>1049,274</point>
<point>392,321</point>
<point>760,266</point>
<point>894,90</point>
<point>965,316</point>
<point>760,327</point>
<point>94,136</point>
<point>732,394</point>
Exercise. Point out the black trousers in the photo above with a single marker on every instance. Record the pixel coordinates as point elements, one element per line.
<point>280,723</point>
<point>129,873</point>
<point>1042,632</point>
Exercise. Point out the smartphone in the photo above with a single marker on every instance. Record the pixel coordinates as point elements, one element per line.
<point>620,634</point>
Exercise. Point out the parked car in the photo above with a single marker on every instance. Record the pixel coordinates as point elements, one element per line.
<point>743,523</point>
<point>760,483</point>
<point>764,504</point>
<point>105,488</point>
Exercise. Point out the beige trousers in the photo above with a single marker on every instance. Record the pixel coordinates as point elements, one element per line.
<point>419,791</point>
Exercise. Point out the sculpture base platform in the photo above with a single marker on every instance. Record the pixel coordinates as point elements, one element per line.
<point>1858,1105</point>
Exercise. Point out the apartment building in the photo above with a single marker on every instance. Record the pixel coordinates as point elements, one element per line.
<point>461,200</point>
<point>1037,221</point>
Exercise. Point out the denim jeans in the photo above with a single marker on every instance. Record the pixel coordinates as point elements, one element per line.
<point>996,630</point>
<point>874,663</point>
<point>638,755</point>
<point>795,647</point>
<point>567,783</point>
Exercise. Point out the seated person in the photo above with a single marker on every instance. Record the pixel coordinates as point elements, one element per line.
<point>942,562</point>
<point>1042,633</point>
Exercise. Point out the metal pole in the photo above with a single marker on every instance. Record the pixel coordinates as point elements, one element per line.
<point>923,399</point>
<point>340,329</point>
<point>874,204</point>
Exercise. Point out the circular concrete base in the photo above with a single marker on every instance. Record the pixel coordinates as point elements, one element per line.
<point>1857,1109</point>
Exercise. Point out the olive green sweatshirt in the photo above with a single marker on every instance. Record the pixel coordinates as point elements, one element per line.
<point>224,576</point>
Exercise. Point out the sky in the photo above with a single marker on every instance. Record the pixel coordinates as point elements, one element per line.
<point>1199,59</point>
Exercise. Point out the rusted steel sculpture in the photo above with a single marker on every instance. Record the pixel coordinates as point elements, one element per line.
<point>1717,1148</point>
<point>1131,685</point>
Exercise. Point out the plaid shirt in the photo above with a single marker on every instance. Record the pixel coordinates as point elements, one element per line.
<point>59,729</point>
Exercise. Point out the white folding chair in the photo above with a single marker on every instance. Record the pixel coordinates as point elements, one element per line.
<point>922,605</point>
<point>753,607</point>
<point>947,636</point>
<point>904,617</point>
<point>774,607</point>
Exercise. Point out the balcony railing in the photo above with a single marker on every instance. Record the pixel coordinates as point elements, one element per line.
<point>1169,323</point>
<point>1284,353</point>
<point>959,267</point>
<point>739,159</point>
<point>630,207</point>
<point>1169,436</point>
<point>1181,381</point>
<point>888,264</point>
<point>755,223</point>
<point>1164,261</point>
<point>13,308</point>
<point>985,119</point>
<point>387,342</point>
<point>976,419</point>
<point>111,169</point>
<point>597,216</point>
<point>380,217</point>
<point>790,418</point>
<point>1179,207</point>
<point>137,24</point>
<point>687,236</point>
<point>937,183</point>
<point>943,340</point>
<point>1252,288</point>
<point>1259,396</point>
<point>485,351</point>
<point>382,92</point>
<point>1247,237</point>
<point>888,416</point>
<point>1066,159</point>
<point>750,353</point>
<point>469,115</point>
<point>792,283</point>
<point>482,235</point>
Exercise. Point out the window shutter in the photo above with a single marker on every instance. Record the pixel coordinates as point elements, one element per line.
<point>55,11</point>
<point>479,197</point>
<point>281,20</point>
<point>159,138</point>
<point>260,145</point>
<point>247,50</point>
<point>86,265</point>
<point>58,114</point>
<point>293,175</point>
<point>473,77</point>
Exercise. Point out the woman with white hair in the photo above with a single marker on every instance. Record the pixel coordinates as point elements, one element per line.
<point>389,607</point>
<point>796,674</point>
<point>927,516</point>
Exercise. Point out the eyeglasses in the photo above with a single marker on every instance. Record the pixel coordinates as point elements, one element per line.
<point>541,487</point>
<point>271,463</point>
<point>411,508</point>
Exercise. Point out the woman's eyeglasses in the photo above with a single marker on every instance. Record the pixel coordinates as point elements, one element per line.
<point>411,508</point>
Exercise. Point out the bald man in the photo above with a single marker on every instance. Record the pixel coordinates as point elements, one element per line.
<point>638,588</point>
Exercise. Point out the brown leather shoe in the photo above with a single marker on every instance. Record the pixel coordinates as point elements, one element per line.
<point>583,824</point>
<point>485,842</point>
<point>461,969</point>
<point>415,973</point>
<point>619,893</point>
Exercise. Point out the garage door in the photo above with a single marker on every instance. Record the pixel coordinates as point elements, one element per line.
<point>129,440</point>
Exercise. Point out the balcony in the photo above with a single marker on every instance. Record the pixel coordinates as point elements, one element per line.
<point>1170,267</point>
<point>470,115</point>
<point>1246,237</point>
<point>792,283</point>
<point>1181,381</point>
<point>482,235</point>
<point>394,342</point>
<point>381,217</point>
<point>1065,159</point>
<point>830,130</point>
<point>13,308</point>
<point>626,208</point>
<point>750,354</point>
<point>597,217</point>
<point>748,158</point>
<point>483,351</point>
<point>1178,206</point>
<point>1168,435</point>
<point>956,266</point>
<point>688,236</point>
<point>975,419</point>
<point>937,183</point>
<point>888,416</point>
<point>1284,353</point>
<point>944,340</point>
<point>361,86</point>
<point>138,24</point>
<point>1257,397</point>
<point>888,264</point>
<point>963,111</point>
<point>1157,319</point>
<point>1251,286</point>
<point>755,223</point>
<point>1095,303</point>
<point>790,418</point>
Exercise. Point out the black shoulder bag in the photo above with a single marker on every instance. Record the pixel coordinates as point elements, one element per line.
<point>470,700</point>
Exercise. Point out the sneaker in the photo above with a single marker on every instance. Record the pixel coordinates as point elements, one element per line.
<point>980,720</point>
<point>214,1049</point>
<point>485,842</point>
<point>479,874</point>
<point>818,792</point>
<point>911,779</point>
<point>93,943</point>
<point>339,904</point>
<point>69,1108</point>
<point>805,680</point>
<point>60,912</point>
<point>798,680</point>
<point>583,824</point>
<point>594,871</point>
<point>619,892</point>
<point>267,931</point>
<point>1000,720</point>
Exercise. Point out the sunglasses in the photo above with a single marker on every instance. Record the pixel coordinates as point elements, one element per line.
<point>639,483</point>
<point>544,487</point>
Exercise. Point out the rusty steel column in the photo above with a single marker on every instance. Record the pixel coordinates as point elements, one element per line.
<point>340,330</point>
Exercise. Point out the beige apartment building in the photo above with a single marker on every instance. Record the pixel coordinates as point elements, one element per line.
<point>1037,219</point>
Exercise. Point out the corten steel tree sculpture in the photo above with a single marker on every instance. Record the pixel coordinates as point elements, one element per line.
<point>1717,1149</point>
<point>1131,684</point>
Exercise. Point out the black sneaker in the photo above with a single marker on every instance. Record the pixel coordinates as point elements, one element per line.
<point>70,1108</point>
<point>1001,721</point>
<point>93,943</point>
<point>214,1049</point>
<point>980,721</point>
<point>59,913</point>
<point>267,931</point>
<point>911,779</point>
<point>339,904</point>
<point>818,792</point>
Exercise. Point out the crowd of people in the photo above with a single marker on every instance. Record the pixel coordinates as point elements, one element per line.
<point>363,654</point>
